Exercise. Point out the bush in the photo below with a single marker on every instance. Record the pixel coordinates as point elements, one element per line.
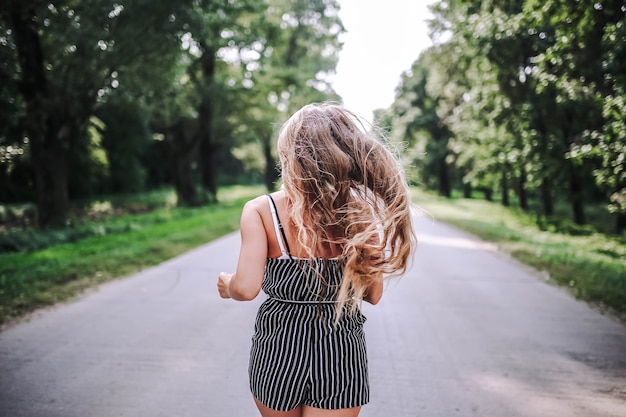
<point>565,226</point>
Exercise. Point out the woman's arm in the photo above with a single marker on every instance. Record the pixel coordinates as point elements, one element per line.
<point>374,291</point>
<point>245,283</point>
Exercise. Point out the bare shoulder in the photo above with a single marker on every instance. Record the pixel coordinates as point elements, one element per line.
<point>278,196</point>
<point>259,207</point>
<point>255,205</point>
<point>261,204</point>
<point>253,210</point>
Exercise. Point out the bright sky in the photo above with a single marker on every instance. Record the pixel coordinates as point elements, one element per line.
<point>383,39</point>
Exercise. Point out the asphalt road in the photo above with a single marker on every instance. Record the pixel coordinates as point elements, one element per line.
<point>467,332</point>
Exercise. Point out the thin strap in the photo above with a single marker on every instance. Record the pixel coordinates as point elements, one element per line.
<point>279,228</point>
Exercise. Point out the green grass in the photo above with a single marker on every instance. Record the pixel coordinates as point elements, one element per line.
<point>592,265</point>
<point>126,244</point>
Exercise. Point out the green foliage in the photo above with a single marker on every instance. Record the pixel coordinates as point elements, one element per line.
<point>288,66</point>
<point>199,77</point>
<point>104,215</point>
<point>16,176</point>
<point>125,137</point>
<point>89,164</point>
<point>31,240</point>
<point>532,95</point>
<point>564,226</point>
<point>423,121</point>
<point>65,58</point>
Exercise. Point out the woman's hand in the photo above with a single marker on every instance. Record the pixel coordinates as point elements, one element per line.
<point>223,282</point>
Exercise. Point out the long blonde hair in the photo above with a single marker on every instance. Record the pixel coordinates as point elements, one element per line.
<point>348,195</point>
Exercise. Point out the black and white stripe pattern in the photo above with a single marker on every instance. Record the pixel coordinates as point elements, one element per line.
<point>299,356</point>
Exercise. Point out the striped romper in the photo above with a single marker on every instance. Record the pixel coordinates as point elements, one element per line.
<point>298,355</point>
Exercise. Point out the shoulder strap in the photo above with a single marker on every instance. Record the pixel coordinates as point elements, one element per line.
<point>278,227</point>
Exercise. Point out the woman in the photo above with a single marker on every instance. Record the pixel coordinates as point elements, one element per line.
<point>317,248</point>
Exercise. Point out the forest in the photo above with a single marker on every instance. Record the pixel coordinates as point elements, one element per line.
<point>124,96</point>
<point>518,101</point>
<point>520,98</point>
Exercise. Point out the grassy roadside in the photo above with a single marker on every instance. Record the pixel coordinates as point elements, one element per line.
<point>591,265</point>
<point>34,279</point>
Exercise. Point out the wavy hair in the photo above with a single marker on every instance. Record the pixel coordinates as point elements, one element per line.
<point>348,195</point>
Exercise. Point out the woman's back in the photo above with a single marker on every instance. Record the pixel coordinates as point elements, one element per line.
<point>283,209</point>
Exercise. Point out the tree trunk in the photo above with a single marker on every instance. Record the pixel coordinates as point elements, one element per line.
<point>207,149</point>
<point>444,178</point>
<point>488,193</point>
<point>184,182</point>
<point>546,197</point>
<point>209,170</point>
<point>50,163</point>
<point>467,190</point>
<point>576,194</point>
<point>206,115</point>
<point>522,192</point>
<point>620,223</point>
<point>271,173</point>
<point>504,183</point>
<point>184,150</point>
<point>49,138</point>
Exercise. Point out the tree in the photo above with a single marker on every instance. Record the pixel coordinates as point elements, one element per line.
<point>193,112</point>
<point>65,55</point>
<point>553,64</point>
<point>125,137</point>
<point>585,63</point>
<point>292,65</point>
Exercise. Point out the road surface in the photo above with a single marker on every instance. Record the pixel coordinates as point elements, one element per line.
<point>467,332</point>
